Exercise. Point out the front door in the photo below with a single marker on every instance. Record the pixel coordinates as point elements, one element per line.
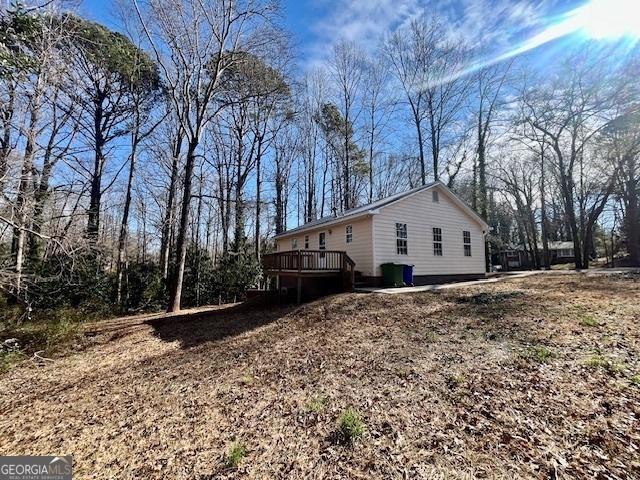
<point>322,245</point>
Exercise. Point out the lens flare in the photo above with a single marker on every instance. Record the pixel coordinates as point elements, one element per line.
<point>597,20</point>
<point>601,19</point>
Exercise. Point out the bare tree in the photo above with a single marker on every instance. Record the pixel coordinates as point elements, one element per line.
<point>378,108</point>
<point>195,42</point>
<point>569,112</point>
<point>347,67</point>
<point>490,83</point>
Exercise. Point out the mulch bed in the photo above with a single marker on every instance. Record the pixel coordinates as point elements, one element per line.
<point>528,378</point>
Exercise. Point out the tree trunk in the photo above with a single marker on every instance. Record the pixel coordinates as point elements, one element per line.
<point>347,167</point>
<point>423,168</point>
<point>167,224</point>
<point>197,238</point>
<point>5,143</point>
<point>40,198</point>
<point>24,193</point>
<point>371,139</point>
<point>258,199</point>
<point>482,174</point>
<point>632,214</point>
<point>175,293</point>
<point>543,213</point>
<point>279,186</point>
<point>124,225</point>
<point>95,194</point>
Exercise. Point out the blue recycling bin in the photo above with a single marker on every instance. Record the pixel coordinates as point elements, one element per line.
<point>407,274</point>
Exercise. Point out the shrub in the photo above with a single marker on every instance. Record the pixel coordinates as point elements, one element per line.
<point>145,289</point>
<point>235,455</point>
<point>350,425</point>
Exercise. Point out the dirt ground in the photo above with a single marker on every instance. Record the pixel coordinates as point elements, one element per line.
<point>529,378</point>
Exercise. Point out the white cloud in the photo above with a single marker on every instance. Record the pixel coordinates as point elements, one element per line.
<point>363,21</point>
<point>494,23</point>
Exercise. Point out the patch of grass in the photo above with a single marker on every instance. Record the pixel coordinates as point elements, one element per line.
<point>588,320</point>
<point>350,425</point>
<point>317,404</point>
<point>51,331</point>
<point>235,455</point>
<point>247,379</point>
<point>539,353</point>
<point>635,379</point>
<point>10,354</point>
<point>9,359</point>
<point>431,337</point>
<point>602,361</point>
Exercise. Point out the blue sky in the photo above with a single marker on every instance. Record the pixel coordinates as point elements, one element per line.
<point>317,24</point>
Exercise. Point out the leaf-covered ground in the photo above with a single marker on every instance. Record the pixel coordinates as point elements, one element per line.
<point>529,378</point>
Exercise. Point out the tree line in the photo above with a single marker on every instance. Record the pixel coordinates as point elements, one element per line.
<point>148,167</point>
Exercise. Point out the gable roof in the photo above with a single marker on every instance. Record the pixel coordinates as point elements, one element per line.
<point>372,208</point>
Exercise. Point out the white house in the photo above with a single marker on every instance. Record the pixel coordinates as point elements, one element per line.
<point>428,227</point>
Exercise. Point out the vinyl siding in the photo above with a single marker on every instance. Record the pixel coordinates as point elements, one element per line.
<point>360,250</point>
<point>421,214</point>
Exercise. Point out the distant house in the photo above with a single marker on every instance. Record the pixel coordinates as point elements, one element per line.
<point>517,257</point>
<point>428,227</point>
<point>561,252</point>
<point>511,257</point>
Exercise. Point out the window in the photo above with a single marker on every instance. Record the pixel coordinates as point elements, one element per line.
<point>349,233</point>
<point>466,240</point>
<point>437,241</point>
<point>306,241</point>
<point>565,252</point>
<point>322,241</point>
<point>401,239</point>
<point>294,244</point>
<point>435,197</point>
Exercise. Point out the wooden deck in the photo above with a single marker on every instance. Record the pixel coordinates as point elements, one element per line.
<point>310,264</point>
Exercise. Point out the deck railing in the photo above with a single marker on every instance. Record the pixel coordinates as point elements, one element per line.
<point>310,263</point>
<point>307,260</point>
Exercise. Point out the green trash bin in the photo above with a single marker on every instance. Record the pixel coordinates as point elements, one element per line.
<point>392,274</point>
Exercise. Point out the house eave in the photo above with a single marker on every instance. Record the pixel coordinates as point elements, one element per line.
<point>327,224</point>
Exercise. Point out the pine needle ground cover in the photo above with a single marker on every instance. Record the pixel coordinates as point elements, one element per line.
<point>529,378</point>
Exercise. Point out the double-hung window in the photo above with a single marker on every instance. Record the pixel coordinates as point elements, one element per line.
<point>349,234</point>
<point>322,241</point>
<point>294,244</point>
<point>466,240</point>
<point>401,239</point>
<point>306,241</point>
<point>437,241</point>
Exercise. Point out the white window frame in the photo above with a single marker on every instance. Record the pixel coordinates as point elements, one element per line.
<point>438,250</point>
<point>435,196</point>
<point>402,239</point>
<point>348,234</point>
<point>466,241</point>
<point>322,245</point>
<point>306,242</point>
<point>294,243</point>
